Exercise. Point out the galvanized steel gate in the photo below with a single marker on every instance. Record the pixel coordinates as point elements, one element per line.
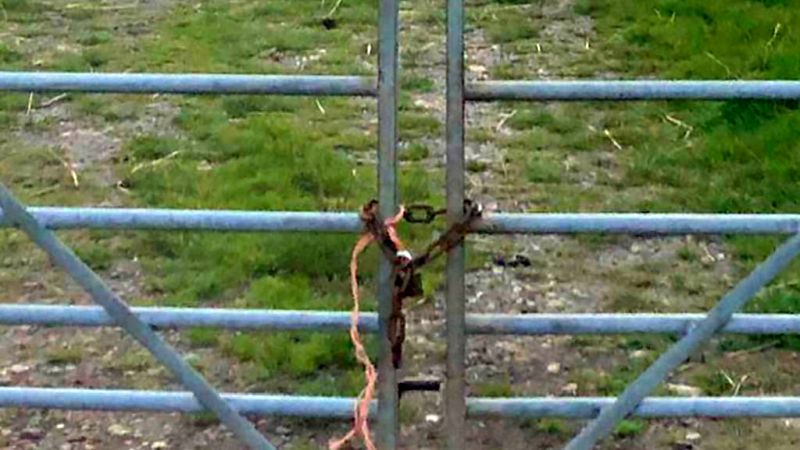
<point>606,412</point>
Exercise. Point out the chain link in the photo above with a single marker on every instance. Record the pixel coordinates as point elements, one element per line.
<point>407,280</point>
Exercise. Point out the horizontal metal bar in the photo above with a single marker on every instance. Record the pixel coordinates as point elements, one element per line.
<point>567,324</point>
<point>238,319</point>
<point>632,90</point>
<point>165,401</point>
<point>641,224</point>
<point>187,83</point>
<point>342,407</point>
<point>652,407</point>
<point>282,320</point>
<point>176,219</point>
<point>226,220</point>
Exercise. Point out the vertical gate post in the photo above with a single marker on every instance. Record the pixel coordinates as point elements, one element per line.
<point>455,385</point>
<point>387,193</point>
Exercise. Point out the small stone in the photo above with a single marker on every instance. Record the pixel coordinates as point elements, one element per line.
<point>570,389</point>
<point>19,368</point>
<point>60,426</point>
<point>118,430</point>
<point>638,354</point>
<point>283,430</point>
<point>692,436</point>
<point>684,390</point>
<point>65,446</point>
<point>556,304</point>
<point>158,444</point>
<point>553,367</point>
<point>422,103</point>
<point>32,434</point>
<point>477,68</point>
<point>76,437</point>
<point>5,432</point>
<point>523,260</point>
<point>432,418</point>
<point>682,446</point>
<point>792,423</point>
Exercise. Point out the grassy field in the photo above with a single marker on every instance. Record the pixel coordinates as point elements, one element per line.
<point>255,153</point>
<point>723,157</point>
<point>277,153</point>
<point>738,156</point>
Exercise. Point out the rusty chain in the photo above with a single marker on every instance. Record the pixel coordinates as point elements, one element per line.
<point>407,280</point>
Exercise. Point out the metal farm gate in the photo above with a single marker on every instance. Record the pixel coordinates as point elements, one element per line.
<point>606,413</point>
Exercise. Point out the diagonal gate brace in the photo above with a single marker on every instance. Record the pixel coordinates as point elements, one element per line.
<point>122,315</point>
<point>720,315</point>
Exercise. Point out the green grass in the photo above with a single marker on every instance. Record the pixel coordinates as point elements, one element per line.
<point>556,427</point>
<point>257,37</point>
<point>132,360</point>
<point>743,155</point>
<point>630,428</point>
<point>476,166</point>
<point>267,153</point>
<point>783,299</point>
<point>414,152</point>
<point>713,383</point>
<point>203,337</point>
<point>261,164</point>
<point>65,355</point>
<point>493,388</point>
<point>272,153</point>
<point>417,83</point>
<point>506,25</point>
<point>739,157</point>
<point>414,125</point>
<point>230,152</point>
